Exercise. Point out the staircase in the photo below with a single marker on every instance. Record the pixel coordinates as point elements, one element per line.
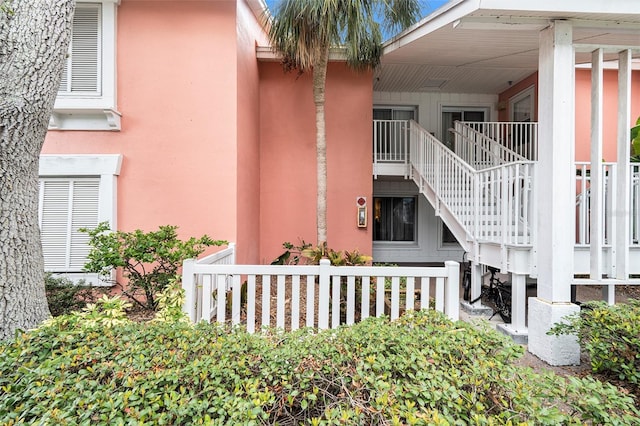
<point>483,192</point>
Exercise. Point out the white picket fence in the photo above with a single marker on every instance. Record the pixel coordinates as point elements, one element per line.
<point>321,296</point>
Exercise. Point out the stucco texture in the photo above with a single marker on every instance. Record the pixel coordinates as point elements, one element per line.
<point>288,158</point>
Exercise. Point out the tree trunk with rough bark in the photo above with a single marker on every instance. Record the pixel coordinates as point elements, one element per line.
<point>319,83</point>
<point>34,37</point>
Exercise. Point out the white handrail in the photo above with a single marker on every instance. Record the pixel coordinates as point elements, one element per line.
<point>494,204</point>
<point>333,295</point>
<point>480,150</point>
<point>518,137</point>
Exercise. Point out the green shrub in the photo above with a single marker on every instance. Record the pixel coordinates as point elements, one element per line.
<point>421,369</point>
<point>149,261</point>
<point>305,253</point>
<point>610,335</point>
<point>64,296</point>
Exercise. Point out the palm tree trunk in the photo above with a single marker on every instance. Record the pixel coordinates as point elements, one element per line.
<point>34,35</point>
<point>319,82</point>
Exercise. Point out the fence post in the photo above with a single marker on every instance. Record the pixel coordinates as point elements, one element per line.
<point>188,285</point>
<point>452,290</point>
<point>323,294</point>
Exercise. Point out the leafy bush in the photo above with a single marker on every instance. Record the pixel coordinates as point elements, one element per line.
<point>421,369</point>
<point>611,337</point>
<point>306,253</point>
<point>148,260</point>
<point>64,296</point>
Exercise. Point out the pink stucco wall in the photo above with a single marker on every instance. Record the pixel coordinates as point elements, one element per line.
<point>179,68</point>
<point>288,158</point>
<point>248,136</point>
<point>610,112</point>
<point>583,109</point>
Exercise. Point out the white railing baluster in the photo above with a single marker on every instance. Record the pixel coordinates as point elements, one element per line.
<point>351,299</point>
<point>335,301</point>
<point>311,286</point>
<point>380,282</point>
<point>366,287</point>
<point>266,300</point>
<point>207,295</point>
<point>295,302</point>
<point>221,287</point>
<point>323,294</point>
<point>251,303</point>
<point>236,299</point>
<point>395,297</point>
<point>280,307</point>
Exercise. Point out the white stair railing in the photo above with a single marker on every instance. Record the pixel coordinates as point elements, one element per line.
<point>518,137</point>
<point>493,204</point>
<point>479,150</point>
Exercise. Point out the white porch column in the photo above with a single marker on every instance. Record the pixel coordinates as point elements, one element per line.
<point>555,196</point>
<point>621,209</point>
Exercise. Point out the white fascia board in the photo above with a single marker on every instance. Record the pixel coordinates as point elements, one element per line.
<point>259,8</point>
<point>80,164</point>
<point>627,7</point>
<point>446,15</point>
<point>266,54</point>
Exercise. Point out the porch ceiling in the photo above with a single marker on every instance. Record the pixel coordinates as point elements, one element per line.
<point>463,48</point>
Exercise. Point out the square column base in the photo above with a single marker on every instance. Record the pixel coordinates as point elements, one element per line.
<point>554,350</point>
<point>520,337</point>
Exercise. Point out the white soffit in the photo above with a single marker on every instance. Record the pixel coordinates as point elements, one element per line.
<point>479,46</point>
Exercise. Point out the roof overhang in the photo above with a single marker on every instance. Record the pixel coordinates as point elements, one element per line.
<point>482,46</point>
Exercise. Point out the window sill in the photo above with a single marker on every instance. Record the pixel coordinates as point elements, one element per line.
<point>396,245</point>
<point>85,119</point>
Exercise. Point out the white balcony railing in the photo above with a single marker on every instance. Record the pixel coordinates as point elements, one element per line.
<point>583,203</point>
<point>391,147</point>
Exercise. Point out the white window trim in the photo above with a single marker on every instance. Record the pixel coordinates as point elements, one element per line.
<point>94,112</point>
<point>107,168</point>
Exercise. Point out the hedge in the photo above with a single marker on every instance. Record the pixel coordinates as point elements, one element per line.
<point>421,369</point>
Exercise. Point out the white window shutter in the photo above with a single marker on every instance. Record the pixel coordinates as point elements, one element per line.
<point>67,205</point>
<point>54,223</point>
<point>82,69</point>
<point>84,215</point>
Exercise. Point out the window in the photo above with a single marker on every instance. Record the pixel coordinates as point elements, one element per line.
<point>76,191</point>
<point>521,106</point>
<point>87,95</point>
<point>394,219</point>
<point>66,205</point>
<point>452,114</point>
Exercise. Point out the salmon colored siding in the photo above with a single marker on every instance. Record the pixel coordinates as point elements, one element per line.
<point>288,158</point>
<point>583,109</point>
<point>177,96</point>
<point>610,108</point>
<point>248,137</point>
